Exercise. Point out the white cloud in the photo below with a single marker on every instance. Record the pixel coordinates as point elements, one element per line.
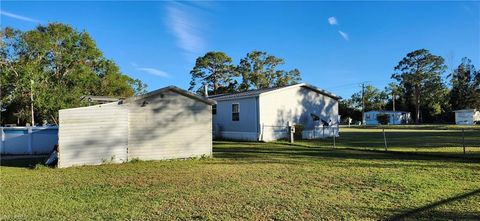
<point>344,35</point>
<point>184,23</point>
<point>19,17</point>
<point>152,71</point>
<point>332,21</point>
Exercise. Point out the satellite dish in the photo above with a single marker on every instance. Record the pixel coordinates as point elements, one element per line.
<point>315,117</point>
<point>325,123</point>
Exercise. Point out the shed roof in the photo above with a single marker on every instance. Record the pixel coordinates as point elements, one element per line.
<point>100,99</point>
<point>174,89</point>
<point>255,93</point>
<point>465,110</point>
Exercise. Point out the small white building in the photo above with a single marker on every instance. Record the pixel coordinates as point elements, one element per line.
<point>263,115</point>
<point>467,116</point>
<point>396,117</point>
<point>167,123</point>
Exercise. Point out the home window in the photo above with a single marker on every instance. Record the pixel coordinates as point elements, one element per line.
<point>235,112</point>
<point>367,116</point>
<point>214,109</point>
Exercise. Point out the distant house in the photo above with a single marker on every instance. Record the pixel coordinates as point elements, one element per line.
<point>92,100</point>
<point>164,124</point>
<point>263,115</point>
<point>467,116</point>
<point>396,117</point>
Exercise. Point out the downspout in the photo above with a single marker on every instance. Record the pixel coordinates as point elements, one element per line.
<point>257,109</point>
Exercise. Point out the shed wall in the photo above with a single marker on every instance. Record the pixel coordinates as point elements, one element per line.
<point>93,135</point>
<point>169,126</point>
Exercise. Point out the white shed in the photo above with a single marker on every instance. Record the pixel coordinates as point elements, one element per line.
<point>167,123</point>
<point>263,115</point>
<point>467,116</point>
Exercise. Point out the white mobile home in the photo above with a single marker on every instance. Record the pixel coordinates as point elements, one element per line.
<point>467,116</point>
<point>164,124</point>
<point>263,115</point>
<point>395,117</point>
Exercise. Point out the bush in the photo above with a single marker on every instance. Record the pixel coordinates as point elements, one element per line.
<point>298,131</point>
<point>383,119</point>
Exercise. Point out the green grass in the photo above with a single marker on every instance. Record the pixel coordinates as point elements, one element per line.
<point>251,181</point>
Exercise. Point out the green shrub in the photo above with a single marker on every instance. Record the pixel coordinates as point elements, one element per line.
<point>298,131</point>
<point>383,119</point>
<point>135,160</point>
<point>40,166</point>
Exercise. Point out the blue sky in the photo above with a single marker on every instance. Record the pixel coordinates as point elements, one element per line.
<point>335,45</point>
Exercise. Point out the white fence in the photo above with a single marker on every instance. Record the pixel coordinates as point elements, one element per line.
<point>320,132</point>
<point>28,140</point>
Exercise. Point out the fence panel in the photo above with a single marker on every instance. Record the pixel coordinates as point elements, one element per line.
<point>320,132</point>
<point>432,140</point>
<point>28,140</point>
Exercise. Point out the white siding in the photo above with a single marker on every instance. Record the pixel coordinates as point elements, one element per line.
<point>164,125</point>
<point>93,135</point>
<point>264,117</point>
<point>466,117</point>
<point>294,105</point>
<point>169,126</point>
<point>247,128</point>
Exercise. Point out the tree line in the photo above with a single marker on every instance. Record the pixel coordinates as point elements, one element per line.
<point>419,88</point>
<point>50,68</point>
<point>257,70</point>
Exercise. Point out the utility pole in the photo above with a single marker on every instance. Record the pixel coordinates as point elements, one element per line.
<point>1,108</point>
<point>393,100</point>
<point>31,102</point>
<point>363,103</point>
<point>394,114</point>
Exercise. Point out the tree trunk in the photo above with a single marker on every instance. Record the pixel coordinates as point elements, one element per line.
<point>417,105</point>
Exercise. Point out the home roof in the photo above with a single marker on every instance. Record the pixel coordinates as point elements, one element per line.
<point>255,93</point>
<point>174,89</point>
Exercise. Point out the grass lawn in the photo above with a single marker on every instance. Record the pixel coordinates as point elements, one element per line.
<point>251,181</point>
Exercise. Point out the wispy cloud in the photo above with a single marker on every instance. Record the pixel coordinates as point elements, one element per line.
<point>344,35</point>
<point>152,71</point>
<point>185,23</point>
<point>332,21</point>
<point>19,17</point>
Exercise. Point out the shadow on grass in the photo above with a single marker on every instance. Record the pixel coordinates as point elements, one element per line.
<point>425,213</point>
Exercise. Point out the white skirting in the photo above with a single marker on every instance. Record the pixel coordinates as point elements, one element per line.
<point>234,135</point>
